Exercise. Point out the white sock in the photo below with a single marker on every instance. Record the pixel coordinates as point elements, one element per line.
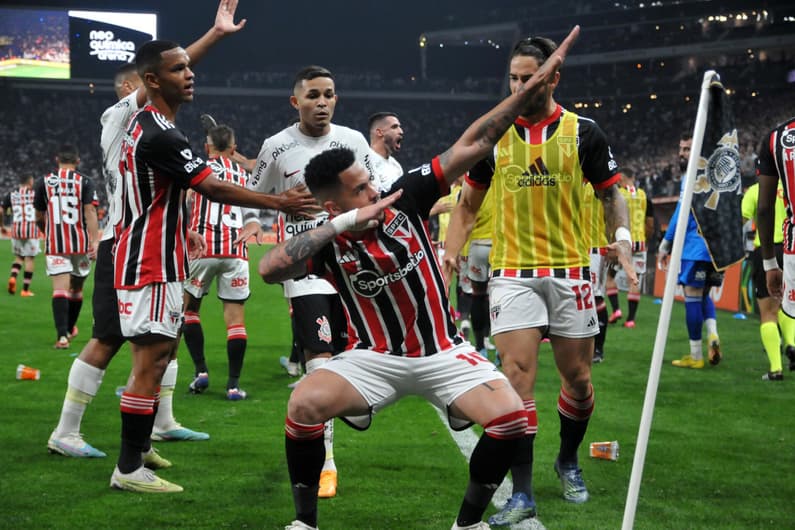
<point>83,384</point>
<point>695,350</point>
<point>328,427</point>
<point>164,419</point>
<point>712,326</point>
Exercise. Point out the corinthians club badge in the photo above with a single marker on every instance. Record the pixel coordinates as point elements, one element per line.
<point>720,173</point>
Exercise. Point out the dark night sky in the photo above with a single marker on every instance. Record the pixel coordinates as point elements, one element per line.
<point>374,35</point>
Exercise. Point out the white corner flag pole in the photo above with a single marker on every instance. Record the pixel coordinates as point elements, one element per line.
<point>667,305</point>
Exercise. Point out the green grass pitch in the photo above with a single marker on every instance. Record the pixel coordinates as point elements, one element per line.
<point>721,453</point>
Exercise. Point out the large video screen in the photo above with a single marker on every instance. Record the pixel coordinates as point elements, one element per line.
<point>65,44</point>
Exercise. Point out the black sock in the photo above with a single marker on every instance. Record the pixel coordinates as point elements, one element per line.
<point>60,313</point>
<point>135,429</point>
<point>305,460</point>
<point>27,280</point>
<point>464,304</point>
<point>15,268</point>
<point>194,340</point>
<point>480,319</point>
<point>601,316</point>
<point>488,465</point>
<point>633,308</point>
<point>522,466</point>
<point>235,351</point>
<point>613,296</point>
<point>571,435</point>
<point>75,305</point>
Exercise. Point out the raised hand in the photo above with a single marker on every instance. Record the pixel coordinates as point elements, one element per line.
<point>225,18</point>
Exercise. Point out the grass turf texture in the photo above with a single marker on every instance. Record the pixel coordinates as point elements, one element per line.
<point>720,455</point>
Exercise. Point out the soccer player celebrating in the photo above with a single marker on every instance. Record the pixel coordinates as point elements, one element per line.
<point>776,151</point>
<point>24,234</point>
<point>540,280</point>
<point>402,337</point>
<point>85,375</point>
<point>225,261</point>
<point>151,258</point>
<point>386,136</point>
<point>66,211</point>
<point>318,320</point>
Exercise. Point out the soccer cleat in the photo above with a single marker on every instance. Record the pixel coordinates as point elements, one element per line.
<point>74,332</point>
<point>179,434</point>
<point>62,344</point>
<point>328,484</point>
<point>517,508</point>
<point>153,460</point>
<point>295,383</point>
<point>480,525</point>
<point>12,285</point>
<point>714,350</point>
<point>598,356</point>
<point>199,383</point>
<point>26,294</point>
<point>688,362</point>
<point>292,369</point>
<point>299,525</point>
<point>73,445</point>
<point>142,480</point>
<point>629,324</point>
<point>789,351</point>
<point>773,376</point>
<point>614,317</point>
<point>574,489</point>
<point>488,344</point>
<point>235,394</point>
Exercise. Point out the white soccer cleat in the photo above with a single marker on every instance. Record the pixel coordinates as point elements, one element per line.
<point>142,480</point>
<point>73,445</point>
<point>477,526</point>
<point>299,525</point>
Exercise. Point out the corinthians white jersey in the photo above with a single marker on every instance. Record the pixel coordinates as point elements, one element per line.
<point>280,166</point>
<point>114,122</point>
<point>388,170</point>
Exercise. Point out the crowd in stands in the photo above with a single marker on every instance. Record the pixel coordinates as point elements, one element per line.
<point>40,35</point>
<point>645,137</point>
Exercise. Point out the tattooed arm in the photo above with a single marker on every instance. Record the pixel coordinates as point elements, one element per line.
<point>616,218</point>
<point>287,260</point>
<point>478,140</point>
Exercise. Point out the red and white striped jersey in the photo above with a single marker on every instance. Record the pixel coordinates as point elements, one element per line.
<point>219,223</point>
<point>157,165</point>
<point>776,157</point>
<point>390,281</point>
<point>23,213</point>
<point>62,195</point>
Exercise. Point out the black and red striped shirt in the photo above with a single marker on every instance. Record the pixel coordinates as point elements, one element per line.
<point>390,281</point>
<point>157,165</point>
<point>776,157</point>
<point>63,195</point>
<point>219,223</point>
<point>23,213</point>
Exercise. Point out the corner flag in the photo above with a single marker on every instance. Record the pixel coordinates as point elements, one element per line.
<point>717,195</point>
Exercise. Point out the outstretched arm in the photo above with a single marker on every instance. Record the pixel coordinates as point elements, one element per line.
<point>616,223</point>
<point>765,219</point>
<point>224,25</point>
<point>288,259</point>
<point>478,140</point>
